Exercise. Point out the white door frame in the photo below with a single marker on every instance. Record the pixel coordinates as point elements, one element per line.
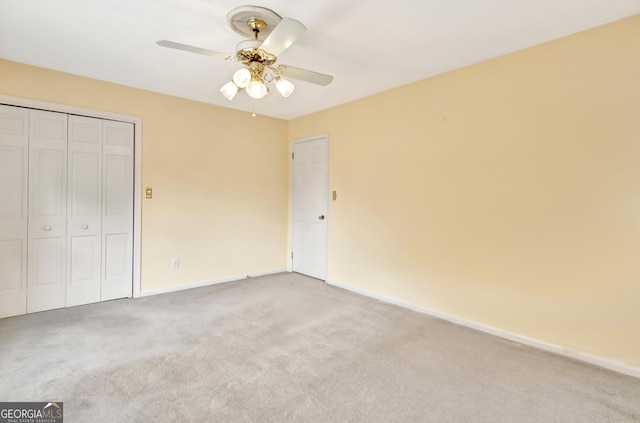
<point>291,175</point>
<point>137,175</point>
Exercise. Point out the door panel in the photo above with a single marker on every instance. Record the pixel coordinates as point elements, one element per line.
<point>84,269</point>
<point>310,196</point>
<point>12,182</point>
<point>85,253</point>
<point>117,196</point>
<point>84,185</point>
<point>84,219</point>
<point>46,277</point>
<point>14,153</point>
<point>50,182</point>
<point>46,270</point>
<point>117,253</point>
<point>117,222</point>
<point>119,134</point>
<point>48,126</point>
<point>46,264</point>
<point>11,261</point>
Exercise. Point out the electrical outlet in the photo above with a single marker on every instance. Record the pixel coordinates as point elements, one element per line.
<point>175,263</point>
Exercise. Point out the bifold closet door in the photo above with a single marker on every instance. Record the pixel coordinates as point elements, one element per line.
<point>66,210</point>
<point>47,232</point>
<point>14,155</point>
<point>117,210</point>
<point>84,211</point>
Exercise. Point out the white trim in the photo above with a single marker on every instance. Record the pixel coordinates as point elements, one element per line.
<point>557,349</point>
<point>137,207</point>
<point>137,187</point>
<point>299,141</point>
<point>200,284</point>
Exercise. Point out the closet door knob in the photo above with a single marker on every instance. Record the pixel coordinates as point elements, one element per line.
<point>84,226</point>
<point>47,228</point>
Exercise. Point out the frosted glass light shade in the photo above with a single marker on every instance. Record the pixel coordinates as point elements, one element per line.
<point>242,77</point>
<point>229,90</point>
<point>256,89</point>
<point>284,87</point>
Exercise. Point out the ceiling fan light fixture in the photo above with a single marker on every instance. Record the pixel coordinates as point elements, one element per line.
<point>256,89</point>
<point>284,86</point>
<point>269,35</point>
<point>229,90</point>
<point>242,77</point>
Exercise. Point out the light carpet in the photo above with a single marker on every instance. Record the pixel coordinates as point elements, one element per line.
<point>287,348</point>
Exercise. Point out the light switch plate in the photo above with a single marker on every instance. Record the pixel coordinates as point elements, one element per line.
<point>149,192</point>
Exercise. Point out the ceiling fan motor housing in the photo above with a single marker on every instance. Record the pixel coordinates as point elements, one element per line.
<point>247,51</point>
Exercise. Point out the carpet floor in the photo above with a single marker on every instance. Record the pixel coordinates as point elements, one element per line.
<point>287,348</point>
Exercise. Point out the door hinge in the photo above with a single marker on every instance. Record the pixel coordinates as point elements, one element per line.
<point>292,255</point>
<point>292,155</point>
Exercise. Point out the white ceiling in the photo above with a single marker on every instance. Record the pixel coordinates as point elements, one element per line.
<point>368,45</point>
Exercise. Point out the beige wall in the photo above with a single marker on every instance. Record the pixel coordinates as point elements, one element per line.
<point>220,191</point>
<point>506,193</point>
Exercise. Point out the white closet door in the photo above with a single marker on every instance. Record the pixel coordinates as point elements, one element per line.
<point>117,210</point>
<point>46,278</point>
<point>14,154</point>
<point>84,210</point>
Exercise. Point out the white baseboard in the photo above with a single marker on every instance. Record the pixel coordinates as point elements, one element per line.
<point>200,284</point>
<point>557,349</point>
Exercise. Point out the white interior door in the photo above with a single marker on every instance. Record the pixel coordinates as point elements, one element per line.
<point>117,210</point>
<point>310,189</point>
<point>84,211</point>
<point>46,276</point>
<point>14,154</point>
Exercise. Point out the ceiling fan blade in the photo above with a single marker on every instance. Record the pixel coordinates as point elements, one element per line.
<point>191,49</point>
<point>305,75</point>
<point>282,36</point>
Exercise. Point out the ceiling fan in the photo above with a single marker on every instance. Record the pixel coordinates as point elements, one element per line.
<point>270,36</point>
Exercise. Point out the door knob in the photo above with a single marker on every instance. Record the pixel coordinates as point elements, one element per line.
<point>321,217</point>
<point>47,228</point>
<point>84,226</point>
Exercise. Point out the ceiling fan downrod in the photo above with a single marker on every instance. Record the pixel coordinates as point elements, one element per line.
<point>256,26</point>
